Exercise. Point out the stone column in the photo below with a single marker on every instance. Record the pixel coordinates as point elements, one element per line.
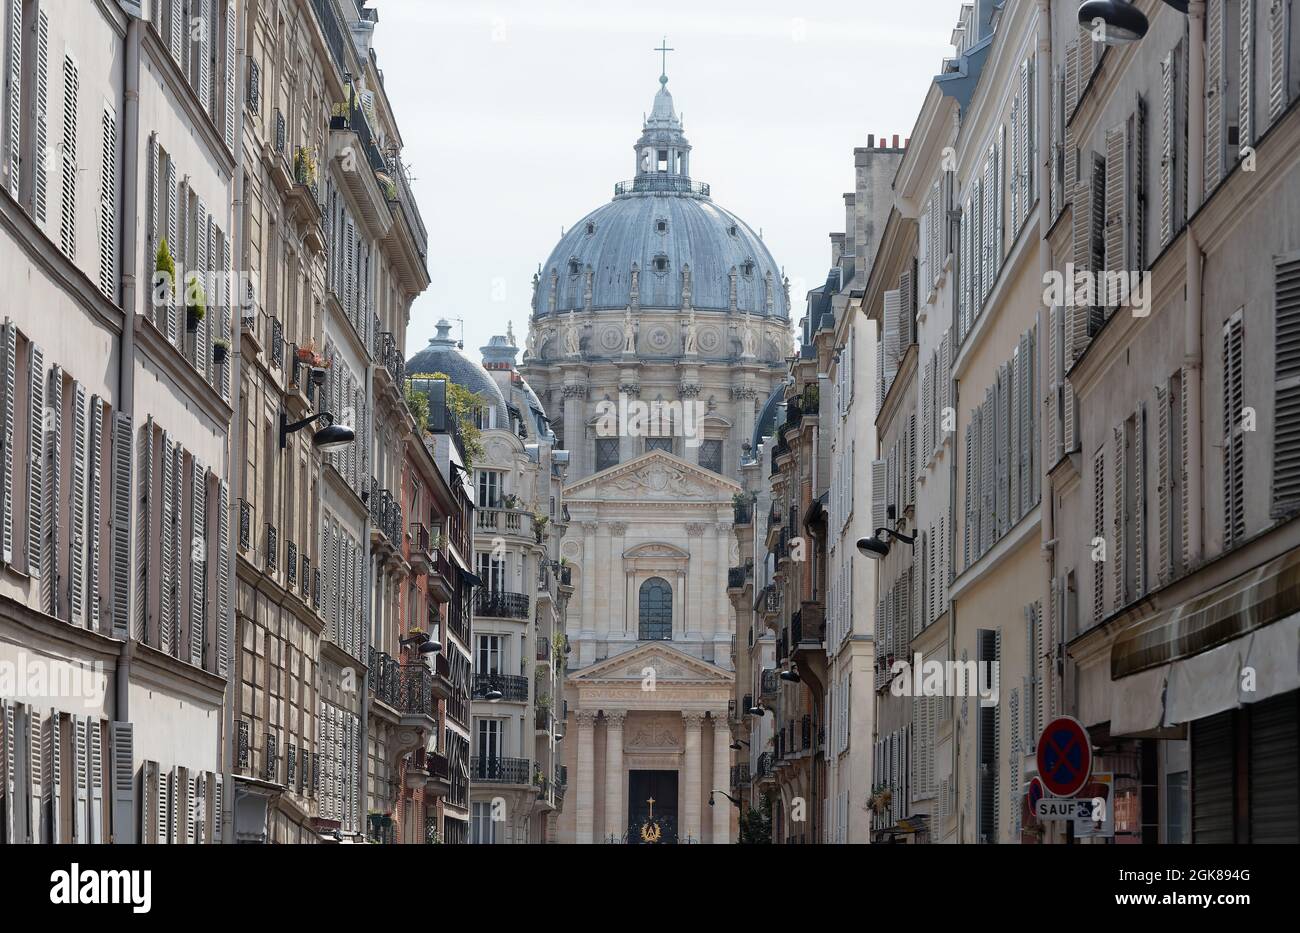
<point>691,818</point>
<point>586,639</point>
<point>575,428</point>
<point>723,626</point>
<point>614,557</point>
<point>615,817</point>
<point>721,777</point>
<point>586,802</point>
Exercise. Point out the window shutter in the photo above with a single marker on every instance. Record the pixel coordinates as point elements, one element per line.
<point>172,326</point>
<point>968,552</point>
<point>177,21</point>
<point>990,467</point>
<point>1017,118</point>
<point>231,28</point>
<point>122,739</point>
<point>1053,385</point>
<point>1015,443</point>
<point>977,240</point>
<point>198,560</point>
<point>1164,475</point>
<point>108,207</point>
<point>9,804</point>
<point>1029,455</point>
<point>1116,223</point>
<point>907,310</point>
<point>1023,142</point>
<point>963,271</point>
<point>173,826</point>
<point>1278,27</point>
<point>81,778</point>
<point>77,553</point>
<point>1246,102</point>
<point>1286,387</point>
<point>40,120</point>
<point>893,312</point>
<point>1185,386</point>
<point>145,548</point>
<point>1168,126</point>
<point>214,807</point>
<point>1138,193</point>
<point>1098,531</point>
<point>167,576</point>
<point>225,624</point>
<point>999,201</point>
<point>990,246</point>
<point>14,79</point>
<point>879,481</point>
<point>121,525</point>
<point>1216,88</point>
<point>927,413</point>
<point>53,498</point>
<point>35,459</point>
<point>205,54</point>
<point>1118,492</point>
<point>151,219</point>
<point>226,334</point>
<point>51,740</point>
<point>68,216</point>
<point>1234,389</point>
<point>1140,500</point>
<point>94,512</point>
<point>9,388</point>
<point>35,778</point>
<point>938,224</point>
<point>198,809</point>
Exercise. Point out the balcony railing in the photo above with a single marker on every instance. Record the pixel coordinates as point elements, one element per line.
<point>763,766</point>
<point>245,524</point>
<point>805,732</point>
<point>409,206</point>
<point>498,604</point>
<point>386,678</point>
<point>812,623</point>
<point>739,775</point>
<point>561,780</point>
<point>334,34</point>
<point>513,688</point>
<point>436,765</point>
<point>657,182</point>
<point>386,513</point>
<point>500,770</point>
<point>388,355</point>
<point>736,577</point>
<point>743,512</point>
<point>416,692</point>
<point>508,521</point>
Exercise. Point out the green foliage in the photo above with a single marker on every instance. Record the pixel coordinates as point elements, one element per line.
<point>196,302</point>
<point>756,826</point>
<point>418,402</point>
<point>463,404</point>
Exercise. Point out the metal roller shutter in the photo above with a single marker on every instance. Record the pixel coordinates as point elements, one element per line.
<point>1274,755</point>
<point>1212,779</point>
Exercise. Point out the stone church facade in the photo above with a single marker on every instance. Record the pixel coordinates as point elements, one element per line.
<point>663,298</point>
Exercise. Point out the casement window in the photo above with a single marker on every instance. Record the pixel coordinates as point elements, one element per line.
<point>489,489</point>
<point>1234,427</point>
<point>1285,499</point>
<point>711,455</point>
<point>482,827</point>
<point>492,571</point>
<point>490,655</point>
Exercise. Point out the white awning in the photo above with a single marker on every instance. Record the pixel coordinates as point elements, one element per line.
<point>1137,703</point>
<point>1273,655</point>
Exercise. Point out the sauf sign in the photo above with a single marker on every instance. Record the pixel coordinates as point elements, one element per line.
<point>1064,763</point>
<point>103,886</point>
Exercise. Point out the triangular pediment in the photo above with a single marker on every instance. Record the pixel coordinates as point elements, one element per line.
<point>654,475</point>
<point>671,666</point>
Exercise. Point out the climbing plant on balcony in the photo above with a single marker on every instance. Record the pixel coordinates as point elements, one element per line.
<point>463,404</point>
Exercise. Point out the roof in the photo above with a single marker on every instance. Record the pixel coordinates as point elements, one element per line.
<point>443,356</point>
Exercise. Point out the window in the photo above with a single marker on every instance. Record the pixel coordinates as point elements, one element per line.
<point>489,740</point>
<point>661,225</point>
<point>574,267</point>
<point>748,267</point>
<point>492,572</point>
<point>711,456</point>
<point>482,829</point>
<point>488,660</point>
<point>489,489</point>
<point>659,443</point>
<point>606,453</point>
<point>591,228</point>
<point>662,160</point>
<point>661,263</point>
<point>656,615</point>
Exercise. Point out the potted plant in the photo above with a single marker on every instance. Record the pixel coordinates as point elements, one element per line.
<point>510,502</point>
<point>164,278</point>
<point>387,183</point>
<point>196,303</point>
<point>220,349</point>
<point>304,167</point>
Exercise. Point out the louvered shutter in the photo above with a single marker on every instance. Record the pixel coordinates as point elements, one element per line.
<point>10,806</point>
<point>174,39</point>
<point>205,55</point>
<point>120,541</point>
<point>1185,385</point>
<point>893,310</point>
<point>1116,226</point>
<point>95,766</point>
<point>9,388</point>
<point>927,413</point>
<point>226,324</point>
<point>146,555</point>
<point>151,221</point>
<point>1286,387</point>
<point>1246,85</point>
<point>1098,531</point>
<point>1078,315</point>
<point>170,324</point>
<point>108,276</point>
<point>1053,385</point>
<point>167,575</point>
<point>1025,410</point>
<point>53,493</point>
<point>1168,127</point>
<point>225,623</point>
<point>988,469</point>
<point>94,511</point>
<point>231,28</point>
<point>1025,169</point>
<point>988,243</point>
<point>198,809</point>
<point>175,812</point>
<point>879,482</point>
<point>1278,28</point>
<point>1216,89</point>
<point>77,500</point>
<point>938,225</point>
<point>35,778</point>
<point>907,307</point>
<point>35,459</point>
<point>1164,476</point>
<point>215,804</point>
<point>1015,443</point>
<point>41,117</point>
<point>199,556</point>
<point>964,271</point>
<point>1118,509</point>
<point>1071,90</point>
<point>68,214</point>
<point>1138,189</point>
<point>1234,388</point>
<point>1017,119</point>
<point>14,79</point>
<point>150,801</point>
<point>81,779</point>
<point>999,201</point>
<point>51,741</point>
<point>1140,500</point>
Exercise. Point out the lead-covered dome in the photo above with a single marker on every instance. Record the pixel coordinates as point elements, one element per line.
<point>661,242</point>
<point>443,355</point>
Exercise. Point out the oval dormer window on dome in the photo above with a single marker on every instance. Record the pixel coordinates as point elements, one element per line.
<point>591,228</point>
<point>747,267</point>
<point>575,267</point>
<point>660,263</point>
<point>661,225</point>
<point>732,229</point>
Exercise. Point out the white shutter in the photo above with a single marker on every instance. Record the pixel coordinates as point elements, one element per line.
<point>198,560</point>
<point>176,791</point>
<point>989,245</point>
<point>35,778</point>
<point>177,292</point>
<point>205,54</point>
<point>1138,189</point>
<point>122,737</point>
<point>151,218</point>
<point>174,40</point>
<point>108,276</point>
<point>95,777</point>
<point>1279,14</point>
<point>77,551</point>
<point>9,803</point>
<point>879,482</point>
<point>225,624</point>
<point>13,99</point>
<point>198,809</point>
<point>1098,531</point>
<point>1164,476</point>
<point>1118,508</point>
<point>1053,385</point>
<point>81,776</point>
<point>51,740</point>
<point>146,554</point>
<point>53,494</point>
<point>94,511</point>
<point>891,332</point>
<point>120,541</point>
<point>68,215</point>
<point>1186,385</point>
<point>1216,89</point>
<point>9,391</point>
<point>1140,500</point>
<point>231,101</point>
<point>999,202</point>
<point>1077,335</point>
<point>150,800</point>
<point>35,459</point>
<point>1286,387</point>
<point>1246,101</point>
<point>1116,222</point>
<point>1168,127</point>
<point>1234,388</point>
<point>168,571</point>
<point>41,121</point>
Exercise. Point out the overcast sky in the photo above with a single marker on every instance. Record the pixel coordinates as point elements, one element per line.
<point>518,118</point>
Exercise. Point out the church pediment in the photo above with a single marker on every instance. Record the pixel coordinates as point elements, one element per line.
<point>670,666</point>
<point>654,475</point>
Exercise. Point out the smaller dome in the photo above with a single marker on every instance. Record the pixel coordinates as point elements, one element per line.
<point>442,355</point>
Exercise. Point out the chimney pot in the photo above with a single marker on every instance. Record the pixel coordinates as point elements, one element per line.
<point>871,140</point>
<point>895,140</point>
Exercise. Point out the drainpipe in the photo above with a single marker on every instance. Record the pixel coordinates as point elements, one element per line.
<point>235,461</point>
<point>126,359</point>
<point>1195,481</point>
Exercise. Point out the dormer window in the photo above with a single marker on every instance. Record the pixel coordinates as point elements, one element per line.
<point>591,228</point>
<point>661,225</point>
<point>661,263</point>
<point>574,267</point>
<point>747,267</point>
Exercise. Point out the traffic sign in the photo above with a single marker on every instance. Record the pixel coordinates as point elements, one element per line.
<point>1064,756</point>
<point>1057,808</point>
<point>1035,794</point>
<point>1095,814</point>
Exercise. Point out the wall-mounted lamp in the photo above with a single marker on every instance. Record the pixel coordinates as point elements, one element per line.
<point>877,546</point>
<point>329,438</point>
<point>1120,21</point>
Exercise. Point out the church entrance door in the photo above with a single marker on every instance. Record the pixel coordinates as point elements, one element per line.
<point>652,807</point>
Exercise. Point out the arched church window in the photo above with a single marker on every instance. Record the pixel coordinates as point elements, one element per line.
<point>656,617</point>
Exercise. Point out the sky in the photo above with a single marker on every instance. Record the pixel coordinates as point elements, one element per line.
<point>517,119</point>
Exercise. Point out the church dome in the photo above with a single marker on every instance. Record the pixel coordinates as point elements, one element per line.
<point>442,355</point>
<point>661,242</point>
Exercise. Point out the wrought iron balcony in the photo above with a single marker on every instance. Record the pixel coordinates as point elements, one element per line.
<point>386,678</point>
<point>499,604</point>
<point>415,695</point>
<point>658,182</point>
<point>561,781</point>
<point>437,767</point>
<point>386,514</point>
<point>812,624</point>
<point>421,550</point>
<point>763,767</point>
<point>245,524</point>
<point>805,732</point>
<point>514,689</point>
<point>389,356</point>
<point>500,770</point>
<point>743,512</point>
<point>736,577</point>
<point>739,775</point>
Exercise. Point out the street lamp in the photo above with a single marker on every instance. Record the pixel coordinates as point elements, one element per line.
<point>1120,21</point>
<point>735,746</point>
<point>877,546</point>
<point>734,802</point>
<point>329,438</point>
<point>756,710</point>
<point>792,676</point>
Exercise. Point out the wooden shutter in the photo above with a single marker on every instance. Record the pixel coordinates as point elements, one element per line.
<point>969,549</point>
<point>1118,514</point>
<point>199,555</point>
<point>205,54</point>
<point>94,511</point>
<point>1286,387</point>
<point>1278,28</point>
<point>108,276</point>
<point>1168,127</point>
<point>1234,389</point>
<point>1138,192</point>
<point>1116,225</point>
<point>1078,333</point>
<point>40,117</point>
<point>1216,89</point>
<point>120,541</point>
<point>150,804</point>
<point>176,791</point>
<point>51,741</point>
<point>989,244</point>
<point>879,482</point>
<point>225,624</point>
<point>1185,384</point>
<point>167,570</point>
<point>999,201</point>
<point>231,28</point>
<point>13,101</point>
<point>8,399</point>
<point>893,311</point>
<point>53,493</point>
<point>1139,500</point>
<point>10,806</point>
<point>198,809</point>
<point>1164,477</point>
<point>1098,531</point>
<point>1246,87</point>
<point>95,779</point>
<point>151,219</point>
<point>1026,402</point>
<point>81,778</point>
<point>176,292</point>
<point>35,778</point>
<point>68,215</point>
<point>77,499</point>
<point>1023,142</point>
<point>146,552</point>
<point>990,468</point>
<point>1017,117</point>
<point>35,459</point>
<point>907,311</point>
